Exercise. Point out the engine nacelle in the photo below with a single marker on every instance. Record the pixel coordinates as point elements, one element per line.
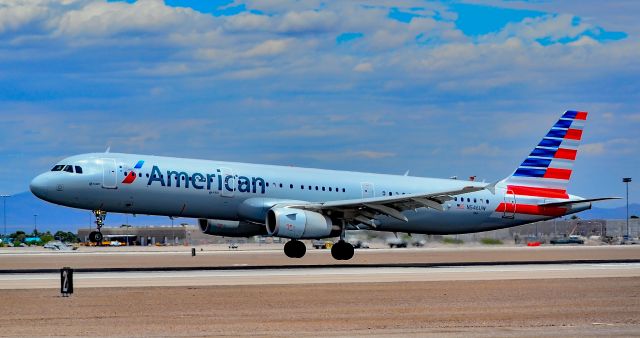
<point>230,228</point>
<point>297,224</point>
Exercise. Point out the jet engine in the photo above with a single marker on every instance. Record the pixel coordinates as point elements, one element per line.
<point>230,228</point>
<point>297,224</point>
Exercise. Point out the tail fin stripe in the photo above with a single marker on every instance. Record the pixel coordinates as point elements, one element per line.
<point>536,162</point>
<point>541,152</point>
<point>557,173</point>
<point>574,134</point>
<point>558,133</point>
<point>567,154</point>
<point>550,142</point>
<point>581,115</point>
<point>530,172</point>
<point>562,123</point>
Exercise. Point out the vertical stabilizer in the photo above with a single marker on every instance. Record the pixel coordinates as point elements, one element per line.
<point>547,170</point>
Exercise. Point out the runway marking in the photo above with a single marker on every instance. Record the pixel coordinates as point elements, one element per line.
<point>320,275</point>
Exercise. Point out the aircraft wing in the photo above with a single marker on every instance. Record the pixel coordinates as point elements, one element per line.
<point>364,210</point>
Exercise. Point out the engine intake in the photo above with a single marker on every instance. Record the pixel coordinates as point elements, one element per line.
<point>297,224</point>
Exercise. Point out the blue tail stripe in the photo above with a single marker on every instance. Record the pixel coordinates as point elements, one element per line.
<point>552,143</point>
<point>527,172</point>
<point>559,133</point>
<point>536,162</point>
<point>139,164</point>
<point>570,114</point>
<point>563,124</point>
<point>540,152</point>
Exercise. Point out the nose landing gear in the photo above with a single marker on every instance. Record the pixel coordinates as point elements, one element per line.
<point>96,236</point>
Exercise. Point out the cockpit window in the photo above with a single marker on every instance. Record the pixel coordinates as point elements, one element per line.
<point>57,167</point>
<point>68,168</point>
<point>78,169</point>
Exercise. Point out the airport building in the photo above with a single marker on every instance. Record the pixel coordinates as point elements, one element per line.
<point>149,235</point>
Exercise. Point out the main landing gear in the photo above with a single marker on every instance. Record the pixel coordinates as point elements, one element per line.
<point>96,236</point>
<point>295,249</point>
<point>342,250</point>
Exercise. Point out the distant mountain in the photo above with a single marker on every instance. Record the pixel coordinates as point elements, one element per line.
<point>613,213</point>
<point>21,208</point>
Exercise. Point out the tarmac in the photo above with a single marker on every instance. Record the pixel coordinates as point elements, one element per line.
<point>254,292</point>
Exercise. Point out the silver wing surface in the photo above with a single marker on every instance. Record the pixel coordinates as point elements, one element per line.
<point>365,210</point>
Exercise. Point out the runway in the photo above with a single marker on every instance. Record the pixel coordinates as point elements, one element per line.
<point>321,275</point>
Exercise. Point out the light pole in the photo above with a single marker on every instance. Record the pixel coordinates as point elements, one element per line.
<point>627,180</point>
<point>35,224</point>
<point>4,213</point>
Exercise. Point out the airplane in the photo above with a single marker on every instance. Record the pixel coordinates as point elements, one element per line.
<point>244,200</point>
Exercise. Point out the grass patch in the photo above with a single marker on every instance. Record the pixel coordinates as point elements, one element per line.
<point>490,241</point>
<point>451,240</point>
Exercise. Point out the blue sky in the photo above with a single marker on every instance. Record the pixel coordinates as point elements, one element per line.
<point>438,88</point>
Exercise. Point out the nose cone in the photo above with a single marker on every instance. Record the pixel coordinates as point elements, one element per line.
<point>40,186</point>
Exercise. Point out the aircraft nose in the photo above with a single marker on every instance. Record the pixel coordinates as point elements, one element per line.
<point>40,186</point>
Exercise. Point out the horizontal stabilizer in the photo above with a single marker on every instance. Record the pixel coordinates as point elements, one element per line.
<point>560,204</point>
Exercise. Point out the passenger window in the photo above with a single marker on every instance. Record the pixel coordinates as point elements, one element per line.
<point>468,200</point>
<point>390,193</point>
<point>57,167</point>
<point>267,184</point>
<point>455,199</point>
<point>147,175</point>
<point>290,186</point>
<point>280,185</point>
<point>330,189</point>
<point>68,168</point>
<point>475,201</point>
<point>322,188</point>
<point>309,187</point>
<point>487,201</point>
<point>316,187</point>
<point>343,190</point>
<point>384,193</point>
<point>139,174</point>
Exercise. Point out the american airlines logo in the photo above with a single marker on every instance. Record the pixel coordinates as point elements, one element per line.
<point>131,177</point>
<point>212,181</point>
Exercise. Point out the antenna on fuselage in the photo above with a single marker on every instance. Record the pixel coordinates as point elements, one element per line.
<point>108,150</point>
<point>406,173</point>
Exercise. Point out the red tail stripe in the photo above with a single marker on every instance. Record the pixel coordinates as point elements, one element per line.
<point>530,209</point>
<point>537,192</point>
<point>574,134</point>
<point>557,173</point>
<point>567,154</point>
<point>582,115</point>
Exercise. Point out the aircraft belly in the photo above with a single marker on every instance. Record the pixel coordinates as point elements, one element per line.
<point>429,221</point>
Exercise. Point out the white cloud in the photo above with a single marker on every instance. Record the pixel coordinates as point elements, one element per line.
<point>269,48</point>
<point>364,67</point>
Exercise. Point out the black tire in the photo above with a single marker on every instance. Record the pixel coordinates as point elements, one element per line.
<point>95,237</point>
<point>301,249</point>
<point>342,251</point>
<point>290,249</point>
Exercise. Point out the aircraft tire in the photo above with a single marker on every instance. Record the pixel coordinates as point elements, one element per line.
<point>342,251</point>
<point>95,236</point>
<point>301,249</point>
<point>295,249</point>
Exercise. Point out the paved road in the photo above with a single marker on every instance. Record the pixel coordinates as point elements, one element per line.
<point>138,257</point>
<point>321,275</point>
